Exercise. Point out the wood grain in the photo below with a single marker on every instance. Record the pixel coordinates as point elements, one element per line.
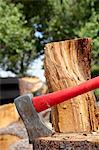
<point>67,63</point>
<point>70,141</point>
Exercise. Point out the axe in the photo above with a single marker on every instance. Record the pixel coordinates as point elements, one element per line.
<point>29,106</point>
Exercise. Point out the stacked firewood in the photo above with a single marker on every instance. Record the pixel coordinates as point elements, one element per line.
<point>13,134</point>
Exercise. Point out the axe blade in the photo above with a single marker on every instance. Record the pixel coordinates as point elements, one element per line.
<point>34,126</point>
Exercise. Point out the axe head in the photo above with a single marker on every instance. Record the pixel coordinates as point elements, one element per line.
<point>33,123</point>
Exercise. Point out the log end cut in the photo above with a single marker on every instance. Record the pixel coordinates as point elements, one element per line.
<point>69,141</point>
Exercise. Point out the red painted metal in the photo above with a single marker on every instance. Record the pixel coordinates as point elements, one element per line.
<point>44,102</point>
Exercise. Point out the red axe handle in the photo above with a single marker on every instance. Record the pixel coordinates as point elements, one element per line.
<point>46,101</point>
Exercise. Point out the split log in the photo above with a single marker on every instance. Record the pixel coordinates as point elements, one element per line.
<point>67,63</point>
<point>12,134</point>
<point>97,115</point>
<point>7,140</point>
<point>21,145</point>
<point>31,84</point>
<point>8,115</point>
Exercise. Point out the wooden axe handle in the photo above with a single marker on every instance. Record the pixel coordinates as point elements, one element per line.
<point>46,101</point>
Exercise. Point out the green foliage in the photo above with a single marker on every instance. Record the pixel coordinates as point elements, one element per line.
<point>54,20</point>
<point>16,44</point>
<point>91,29</point>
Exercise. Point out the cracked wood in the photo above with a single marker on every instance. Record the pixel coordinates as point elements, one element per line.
<point>67,63</point>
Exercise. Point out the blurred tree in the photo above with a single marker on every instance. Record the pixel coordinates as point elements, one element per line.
<point>91,29</point>
<point>38,13</point>
<point>47,20</point>
<point>22,24</point>
<point>17,48</point>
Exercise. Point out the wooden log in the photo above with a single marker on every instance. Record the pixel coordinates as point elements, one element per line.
<point>67,63</point>
<point>21,145</point>
<point>7,140</point>
<point>8,115</point>
<point>12,134</point>
<point>31,84</point>
<point>97,115</point>
<point>70,141</point>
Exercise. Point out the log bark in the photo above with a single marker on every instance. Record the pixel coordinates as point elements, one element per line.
<point>70,141</point>
<point>67,63</point>
<point>97,115</point>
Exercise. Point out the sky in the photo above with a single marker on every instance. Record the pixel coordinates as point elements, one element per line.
<point>35,69</point>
